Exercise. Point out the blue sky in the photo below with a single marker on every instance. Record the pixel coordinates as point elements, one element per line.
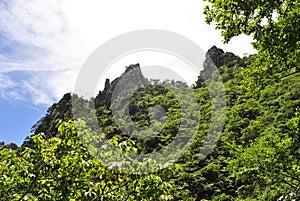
<point>16,120</point>
<point>44,43</point>
<point>19,112</point>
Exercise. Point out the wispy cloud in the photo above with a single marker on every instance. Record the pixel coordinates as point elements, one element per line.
<point>5,82</point>
<point>23,87</point>
<point>50,39</point>
<point>31,37</point>
<point>32,22</point>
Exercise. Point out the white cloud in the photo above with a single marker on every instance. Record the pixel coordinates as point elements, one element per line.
<point>26,89</point>
<point>5,82</point>
<point>61,34</point>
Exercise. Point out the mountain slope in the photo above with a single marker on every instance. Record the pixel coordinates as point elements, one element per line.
<point>257,156</point>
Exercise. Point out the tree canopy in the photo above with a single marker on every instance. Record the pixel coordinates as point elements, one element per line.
<point>257,156</point>
<point>274,26</point>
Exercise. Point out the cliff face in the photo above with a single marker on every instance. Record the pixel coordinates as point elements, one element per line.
<point>62,110</point>
<point>11,146</point>
<point>260,137</point>
<point>219,57</point>
<point>131,78</point>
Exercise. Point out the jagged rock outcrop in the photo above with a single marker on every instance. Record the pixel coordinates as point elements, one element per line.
<point>63,109</point>
<point>11,146</point>
<point>130,78</point>
<point>218,57</point>
<point>215,59</point>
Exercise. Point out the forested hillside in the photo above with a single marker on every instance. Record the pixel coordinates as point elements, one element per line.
<point>257,155</point>
<point>256,158</point>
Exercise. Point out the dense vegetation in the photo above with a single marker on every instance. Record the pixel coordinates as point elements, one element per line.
<point>257,156</point>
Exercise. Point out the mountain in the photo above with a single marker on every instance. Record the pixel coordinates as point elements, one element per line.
<point>62,110</point>
<point>256,157</point>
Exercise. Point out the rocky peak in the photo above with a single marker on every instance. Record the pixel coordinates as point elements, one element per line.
<point>133,67</point>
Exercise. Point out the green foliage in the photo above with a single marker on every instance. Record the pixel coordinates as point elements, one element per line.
<point>274,26</point>
<point>256,157</point>
<point>262,130</point>
<point>60,168</point>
